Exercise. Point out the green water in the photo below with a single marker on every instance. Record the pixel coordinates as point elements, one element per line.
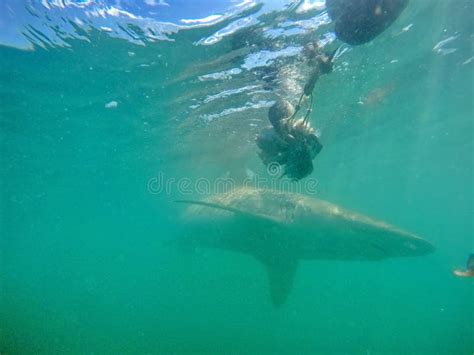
<point>83,265</point>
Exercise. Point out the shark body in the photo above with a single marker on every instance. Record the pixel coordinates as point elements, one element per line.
<point>280,229</point>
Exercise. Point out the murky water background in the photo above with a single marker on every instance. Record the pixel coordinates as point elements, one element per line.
<point>89,117</point>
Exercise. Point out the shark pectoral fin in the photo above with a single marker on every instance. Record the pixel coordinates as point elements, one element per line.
<point>281,273</point>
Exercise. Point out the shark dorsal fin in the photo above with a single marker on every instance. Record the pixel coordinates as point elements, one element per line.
<point>231,209</point>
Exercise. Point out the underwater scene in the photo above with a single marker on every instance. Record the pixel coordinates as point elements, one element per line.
<point>237,177</point>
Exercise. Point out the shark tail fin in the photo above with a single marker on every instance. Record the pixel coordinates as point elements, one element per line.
<point>236,211</point>
<point>209,204</point>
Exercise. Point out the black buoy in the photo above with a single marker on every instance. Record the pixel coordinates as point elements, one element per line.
<point>360,21</point>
